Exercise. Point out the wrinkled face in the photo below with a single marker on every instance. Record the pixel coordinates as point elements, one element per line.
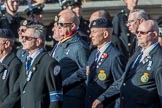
<point>56,32</point>
<point>12,5</point>
<point>97,36</point>
<point>64,26</point>
<point>21,30</point>
<point>133,23</point>
<point>28,40</point>
<point>145,36</point>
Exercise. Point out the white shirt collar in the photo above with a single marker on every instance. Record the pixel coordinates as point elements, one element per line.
<point>148,50</point>
<point>1,60</point>
<point>103,48</point>
<point>35,54</point>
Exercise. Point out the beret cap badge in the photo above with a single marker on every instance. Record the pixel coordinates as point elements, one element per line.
<point>25,22</point>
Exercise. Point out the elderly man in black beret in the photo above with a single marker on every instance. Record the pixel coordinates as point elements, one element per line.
<point>9,64</point>
<point>105,65</point>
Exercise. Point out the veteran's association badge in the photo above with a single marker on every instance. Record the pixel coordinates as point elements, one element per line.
<point>145,77</point>
<point>102,75</point>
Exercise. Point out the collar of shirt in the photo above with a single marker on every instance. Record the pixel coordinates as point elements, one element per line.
<point>35,54</point>
<point>103,48</point>
<point>148,50</point>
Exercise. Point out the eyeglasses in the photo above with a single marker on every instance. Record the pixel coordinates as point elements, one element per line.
<point>143,33</point>
<point>63,24</point>
<point>27,38</point>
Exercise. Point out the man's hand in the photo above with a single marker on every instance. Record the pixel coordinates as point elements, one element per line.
<point>97,104</point>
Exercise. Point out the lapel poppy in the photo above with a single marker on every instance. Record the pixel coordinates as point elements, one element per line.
<point>104,55</point>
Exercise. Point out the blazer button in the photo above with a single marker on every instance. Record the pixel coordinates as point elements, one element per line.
<point>122,97</point>
<point>24,92</point>
<point>124,84</point>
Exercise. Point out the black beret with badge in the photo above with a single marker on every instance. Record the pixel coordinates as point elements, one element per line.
<point>26,22</point>
<point>67,3</point>
<point>36,8</point>
<point>101,23</point>
<point>6,33</point>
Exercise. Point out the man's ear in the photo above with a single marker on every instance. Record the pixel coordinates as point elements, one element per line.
<point>73,26</point>
<point>105,34</point>
<point>7,44</point>
<point>38,42</point>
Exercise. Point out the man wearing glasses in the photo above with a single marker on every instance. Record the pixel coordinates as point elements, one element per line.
<point>140,85</point>
<point>72,54</point>
<point>22,54</point>
<point>39,84</point>
<point>135,17</point>
<point>120,28</point>
<point>76,6</point>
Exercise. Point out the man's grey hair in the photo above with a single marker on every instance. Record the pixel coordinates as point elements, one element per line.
<point>40,31</point>
<point>140,13</point>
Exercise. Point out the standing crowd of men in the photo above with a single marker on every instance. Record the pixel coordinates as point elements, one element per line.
<point>100,63</point>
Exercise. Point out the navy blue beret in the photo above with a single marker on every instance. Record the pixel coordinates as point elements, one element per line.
<point>6,33</point>
<point>101,23</point>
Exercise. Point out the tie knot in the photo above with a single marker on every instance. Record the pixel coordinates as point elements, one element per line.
<point>138,60</point>
<point>28,63</point>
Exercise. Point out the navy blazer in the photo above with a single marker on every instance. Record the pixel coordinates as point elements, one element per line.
<point>140,87</point>
<point>109,68</point>
<point>37,92</point>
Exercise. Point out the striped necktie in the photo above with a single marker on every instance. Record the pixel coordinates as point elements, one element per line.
<point>97,56</point>
<point>137,61</point>
<point>28,63</point>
